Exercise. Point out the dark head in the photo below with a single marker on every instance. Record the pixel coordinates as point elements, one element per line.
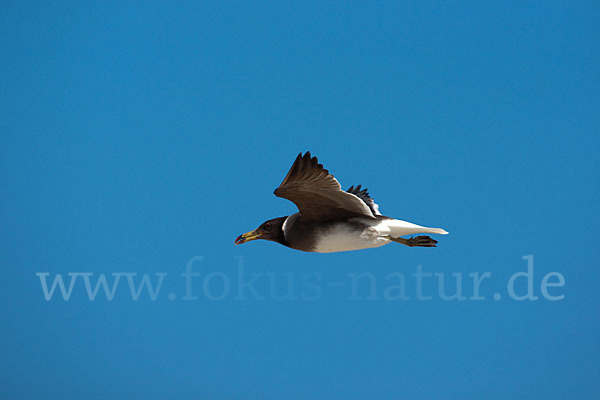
<point>268,230</point>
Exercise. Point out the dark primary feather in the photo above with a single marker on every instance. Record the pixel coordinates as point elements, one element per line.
<point>363,194</point>
<point>317,194</point>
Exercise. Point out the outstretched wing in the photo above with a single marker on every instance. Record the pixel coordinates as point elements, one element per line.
<point>317,194</point>
<point>363,194</point>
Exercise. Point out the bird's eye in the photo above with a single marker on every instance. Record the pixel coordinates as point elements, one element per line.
<point>267,227</point>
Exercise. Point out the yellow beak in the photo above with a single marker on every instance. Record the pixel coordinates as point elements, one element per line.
<point>246,237</point>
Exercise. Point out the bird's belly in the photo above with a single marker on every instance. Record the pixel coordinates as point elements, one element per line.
<point>342,239</point>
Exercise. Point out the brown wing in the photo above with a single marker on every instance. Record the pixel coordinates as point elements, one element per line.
<point>317,194</point>
<point>364,195</point>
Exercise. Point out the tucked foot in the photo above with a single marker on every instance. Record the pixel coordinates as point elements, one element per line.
<point>419,241</point>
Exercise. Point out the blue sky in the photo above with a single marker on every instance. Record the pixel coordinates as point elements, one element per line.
<point>138,135</point>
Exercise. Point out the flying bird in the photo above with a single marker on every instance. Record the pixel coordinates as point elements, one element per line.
<point>330,219</point>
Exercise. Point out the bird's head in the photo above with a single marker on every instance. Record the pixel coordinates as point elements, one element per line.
<point>268,230</point>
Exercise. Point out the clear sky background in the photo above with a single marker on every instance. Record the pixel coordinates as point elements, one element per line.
<point>137,135</point>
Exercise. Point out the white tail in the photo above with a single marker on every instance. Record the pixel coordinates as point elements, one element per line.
<point>399,228</point>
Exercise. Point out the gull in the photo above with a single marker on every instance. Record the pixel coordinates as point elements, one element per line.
<point>330,219</point>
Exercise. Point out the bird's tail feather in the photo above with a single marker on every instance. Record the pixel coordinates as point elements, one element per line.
<point>439,231</point>
<point>399,228</point>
